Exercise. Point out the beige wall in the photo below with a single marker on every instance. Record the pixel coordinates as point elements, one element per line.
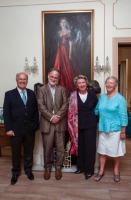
<point>21,33</point>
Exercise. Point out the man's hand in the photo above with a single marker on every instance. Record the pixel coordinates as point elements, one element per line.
<point>55,119</point>
<point>10,133</point>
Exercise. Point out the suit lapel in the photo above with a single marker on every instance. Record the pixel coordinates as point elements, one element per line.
<point>89,96</point>
<point>57,96</point>
<point>28,96</point>
<point>56,93</point>
<point>18,97</point>
<point>49,95</point>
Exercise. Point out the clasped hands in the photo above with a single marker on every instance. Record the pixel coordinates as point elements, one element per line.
<point>55,119</point>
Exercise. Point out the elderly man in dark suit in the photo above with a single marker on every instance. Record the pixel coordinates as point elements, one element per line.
<point>52,103</point>
<point>21,120</point>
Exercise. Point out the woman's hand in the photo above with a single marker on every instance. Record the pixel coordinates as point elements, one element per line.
<point>123,135</point>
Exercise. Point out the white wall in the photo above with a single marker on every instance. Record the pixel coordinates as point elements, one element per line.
<point>21,33</point>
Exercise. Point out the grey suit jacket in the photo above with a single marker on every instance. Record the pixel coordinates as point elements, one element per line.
<point>46,106</point>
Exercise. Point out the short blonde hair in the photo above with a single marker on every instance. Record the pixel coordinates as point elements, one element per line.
<point>114,78</point>
<point>80,77</point>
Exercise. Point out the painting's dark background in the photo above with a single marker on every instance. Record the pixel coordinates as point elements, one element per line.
<point>80,26</point>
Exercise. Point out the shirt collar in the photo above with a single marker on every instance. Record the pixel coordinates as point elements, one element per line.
<point>51,87</point>
<point>19,90</point>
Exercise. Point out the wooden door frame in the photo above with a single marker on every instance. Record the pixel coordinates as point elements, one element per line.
<point>116,41</point>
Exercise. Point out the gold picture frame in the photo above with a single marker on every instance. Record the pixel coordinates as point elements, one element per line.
<point>67,44</point>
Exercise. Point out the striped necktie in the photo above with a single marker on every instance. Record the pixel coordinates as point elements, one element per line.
<point>24,97</point>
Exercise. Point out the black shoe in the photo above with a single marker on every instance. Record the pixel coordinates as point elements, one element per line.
<point>14,179</point>
<point>30,175</point>
<point>78,172</point>
<point>87,176</point>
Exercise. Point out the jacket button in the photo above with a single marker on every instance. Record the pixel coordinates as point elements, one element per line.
<point>25,113</point>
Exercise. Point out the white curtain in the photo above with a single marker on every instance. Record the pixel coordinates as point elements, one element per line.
<point>123,78</point>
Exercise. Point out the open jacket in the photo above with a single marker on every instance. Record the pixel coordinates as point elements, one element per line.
<point>46,106</point>
<point>82,117</point>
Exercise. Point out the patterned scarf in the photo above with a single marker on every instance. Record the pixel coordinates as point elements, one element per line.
<point>73,123</point>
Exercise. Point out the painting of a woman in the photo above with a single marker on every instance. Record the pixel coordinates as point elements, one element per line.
<point>64,59</point>
<point>67,45</point>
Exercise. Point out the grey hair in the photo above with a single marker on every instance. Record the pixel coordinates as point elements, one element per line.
<point>80,77</point>
<point>114,78</point>
<point>21,73</point>
<point>54,69</point>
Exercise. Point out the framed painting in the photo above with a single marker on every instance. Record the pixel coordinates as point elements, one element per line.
<point>67,44</point>
<point>1,115</point>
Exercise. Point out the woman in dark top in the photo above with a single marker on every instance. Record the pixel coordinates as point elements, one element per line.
<point>82,124</point>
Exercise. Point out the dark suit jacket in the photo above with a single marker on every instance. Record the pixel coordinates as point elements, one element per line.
<point>86,116</point>
<point>46,106</point>
<point>17,116</point>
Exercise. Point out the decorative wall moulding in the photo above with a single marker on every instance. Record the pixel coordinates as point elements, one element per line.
<point>119,7</point>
